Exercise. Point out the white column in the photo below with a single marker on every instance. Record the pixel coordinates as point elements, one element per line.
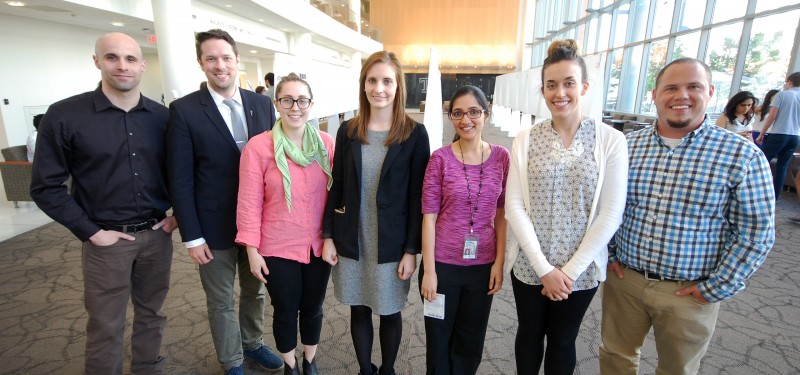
<point>355,13</point>
<point>180,73</point>
<point>433,120</point>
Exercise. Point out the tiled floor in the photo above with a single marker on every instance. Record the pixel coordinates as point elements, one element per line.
<point>14,221</point>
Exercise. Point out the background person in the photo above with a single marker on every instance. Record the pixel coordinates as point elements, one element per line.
<point>762,114</point>
<point>464,234</point>
<point>31,142</point>
<point>284,179</point>
<point>738,115</point>
<point>269,81</point>
<point>373,218</point>
<point>784,137</point>
<point>564,201</point>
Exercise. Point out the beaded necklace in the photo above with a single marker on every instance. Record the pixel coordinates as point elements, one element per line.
<point>472,211</point>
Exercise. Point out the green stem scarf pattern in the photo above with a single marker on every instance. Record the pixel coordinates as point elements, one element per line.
<point>313,150</point>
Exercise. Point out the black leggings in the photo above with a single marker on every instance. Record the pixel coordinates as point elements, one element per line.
<point>390,332</point>
<point>559,321</point>
<point>295,288</point>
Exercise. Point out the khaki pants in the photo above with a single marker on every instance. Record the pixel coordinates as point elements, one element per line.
<point>682,326</point>
<point>232,332</point>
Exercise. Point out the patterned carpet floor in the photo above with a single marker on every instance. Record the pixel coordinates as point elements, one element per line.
<point>42,318</point>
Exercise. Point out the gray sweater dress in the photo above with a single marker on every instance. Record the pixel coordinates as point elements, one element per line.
<point>364,281</point>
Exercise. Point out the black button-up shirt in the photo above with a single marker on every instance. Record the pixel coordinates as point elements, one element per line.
<point>116,160</point>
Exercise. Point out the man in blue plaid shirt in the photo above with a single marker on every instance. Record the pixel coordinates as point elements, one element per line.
<point>698,222</point>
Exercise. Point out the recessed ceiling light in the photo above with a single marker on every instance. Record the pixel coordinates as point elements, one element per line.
<point>117,24</point>
<point>15,3</point>
<point>260,20</point>
<point>253,51</point>
<point>229,6</point>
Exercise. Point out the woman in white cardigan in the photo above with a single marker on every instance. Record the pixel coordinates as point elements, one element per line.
<point>564,200</point>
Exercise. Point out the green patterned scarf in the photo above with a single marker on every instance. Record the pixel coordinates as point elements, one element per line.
<point>313,150</point>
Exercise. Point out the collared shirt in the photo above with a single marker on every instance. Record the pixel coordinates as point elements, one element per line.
<point>702,210</point>
<point>116,160</point>
<point>225,111</point>
<point>788,119</point>
<point>263,219</point>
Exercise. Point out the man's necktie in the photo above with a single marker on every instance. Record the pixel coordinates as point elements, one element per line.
<point>239,135</point>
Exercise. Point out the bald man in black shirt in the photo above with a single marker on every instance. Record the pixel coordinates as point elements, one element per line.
<point>112,142</point>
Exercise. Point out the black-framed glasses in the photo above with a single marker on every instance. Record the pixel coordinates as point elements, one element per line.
<point>473,113</point>
<point>287,102</point>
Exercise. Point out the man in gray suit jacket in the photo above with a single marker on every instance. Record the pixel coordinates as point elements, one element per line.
<point>207,131</point>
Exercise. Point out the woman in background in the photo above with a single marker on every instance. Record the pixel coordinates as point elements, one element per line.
<point>463,237</point>
<point>373,218</point>
<point>284,177</point>
<point>564,201</point>
<point>738,114</point>
<point>762,113</point>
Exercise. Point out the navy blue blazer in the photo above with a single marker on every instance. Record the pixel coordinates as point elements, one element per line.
<point>399,197</point>
<point>203,164</point>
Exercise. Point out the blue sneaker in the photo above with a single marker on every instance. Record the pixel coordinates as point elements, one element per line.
<point>234,371</point>
<point>265,358</point>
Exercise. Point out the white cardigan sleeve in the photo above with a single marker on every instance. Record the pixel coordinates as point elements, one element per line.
<point>609,207</point>
<point>517,207</point>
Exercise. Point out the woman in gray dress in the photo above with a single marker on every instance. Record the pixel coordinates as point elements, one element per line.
<point>373,218</point>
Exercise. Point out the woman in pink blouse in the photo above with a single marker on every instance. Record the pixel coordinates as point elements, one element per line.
<point>463,237</point>
<point>285,175</point>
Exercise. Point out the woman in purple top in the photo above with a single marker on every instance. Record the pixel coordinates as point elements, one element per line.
<point>463,237</point>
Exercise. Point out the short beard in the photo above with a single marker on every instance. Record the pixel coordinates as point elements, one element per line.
<point>678,125</point>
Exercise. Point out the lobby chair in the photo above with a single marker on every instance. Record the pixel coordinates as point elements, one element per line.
<point>16,172</point>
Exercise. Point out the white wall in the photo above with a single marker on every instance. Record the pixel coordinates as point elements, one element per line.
<point>45,62</point>
<point>335,87</point>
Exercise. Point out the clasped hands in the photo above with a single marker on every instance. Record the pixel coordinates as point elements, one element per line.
<point>557,286</point>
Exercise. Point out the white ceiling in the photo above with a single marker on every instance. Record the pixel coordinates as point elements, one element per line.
<point>70,13</point>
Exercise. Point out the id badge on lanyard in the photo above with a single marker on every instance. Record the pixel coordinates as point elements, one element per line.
<point>470,246</point>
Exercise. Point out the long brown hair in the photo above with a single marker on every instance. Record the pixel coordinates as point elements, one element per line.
<point>402,125</point>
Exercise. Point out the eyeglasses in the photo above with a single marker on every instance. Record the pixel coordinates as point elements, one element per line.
<point>472,113</point>
<point>287,102</point>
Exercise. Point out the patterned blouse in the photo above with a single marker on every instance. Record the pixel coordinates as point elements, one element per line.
<point>562,185</point>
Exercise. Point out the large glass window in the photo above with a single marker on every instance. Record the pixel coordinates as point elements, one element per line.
<point>634,39</point>
<point>663,19</point>
<point>630,78</point>
<point>686,45</point>
<point>605,32</point>
<point>614,75</point>
<point>621,27</point>
<point>723,47</point>
<point>729,9</point>
<point>691,15</point>
<point>769,52</point>
<point>638,24</point>
<point>656,60</point>
<point>763,5</point>
<point>591,37</point>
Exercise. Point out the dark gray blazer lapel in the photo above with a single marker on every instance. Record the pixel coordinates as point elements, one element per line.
<point>212,112</point>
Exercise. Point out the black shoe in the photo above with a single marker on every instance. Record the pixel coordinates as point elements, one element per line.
<point>288,370</point>
<point>310,368</point>
<point>386,372</point>
<point>373,372</point>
